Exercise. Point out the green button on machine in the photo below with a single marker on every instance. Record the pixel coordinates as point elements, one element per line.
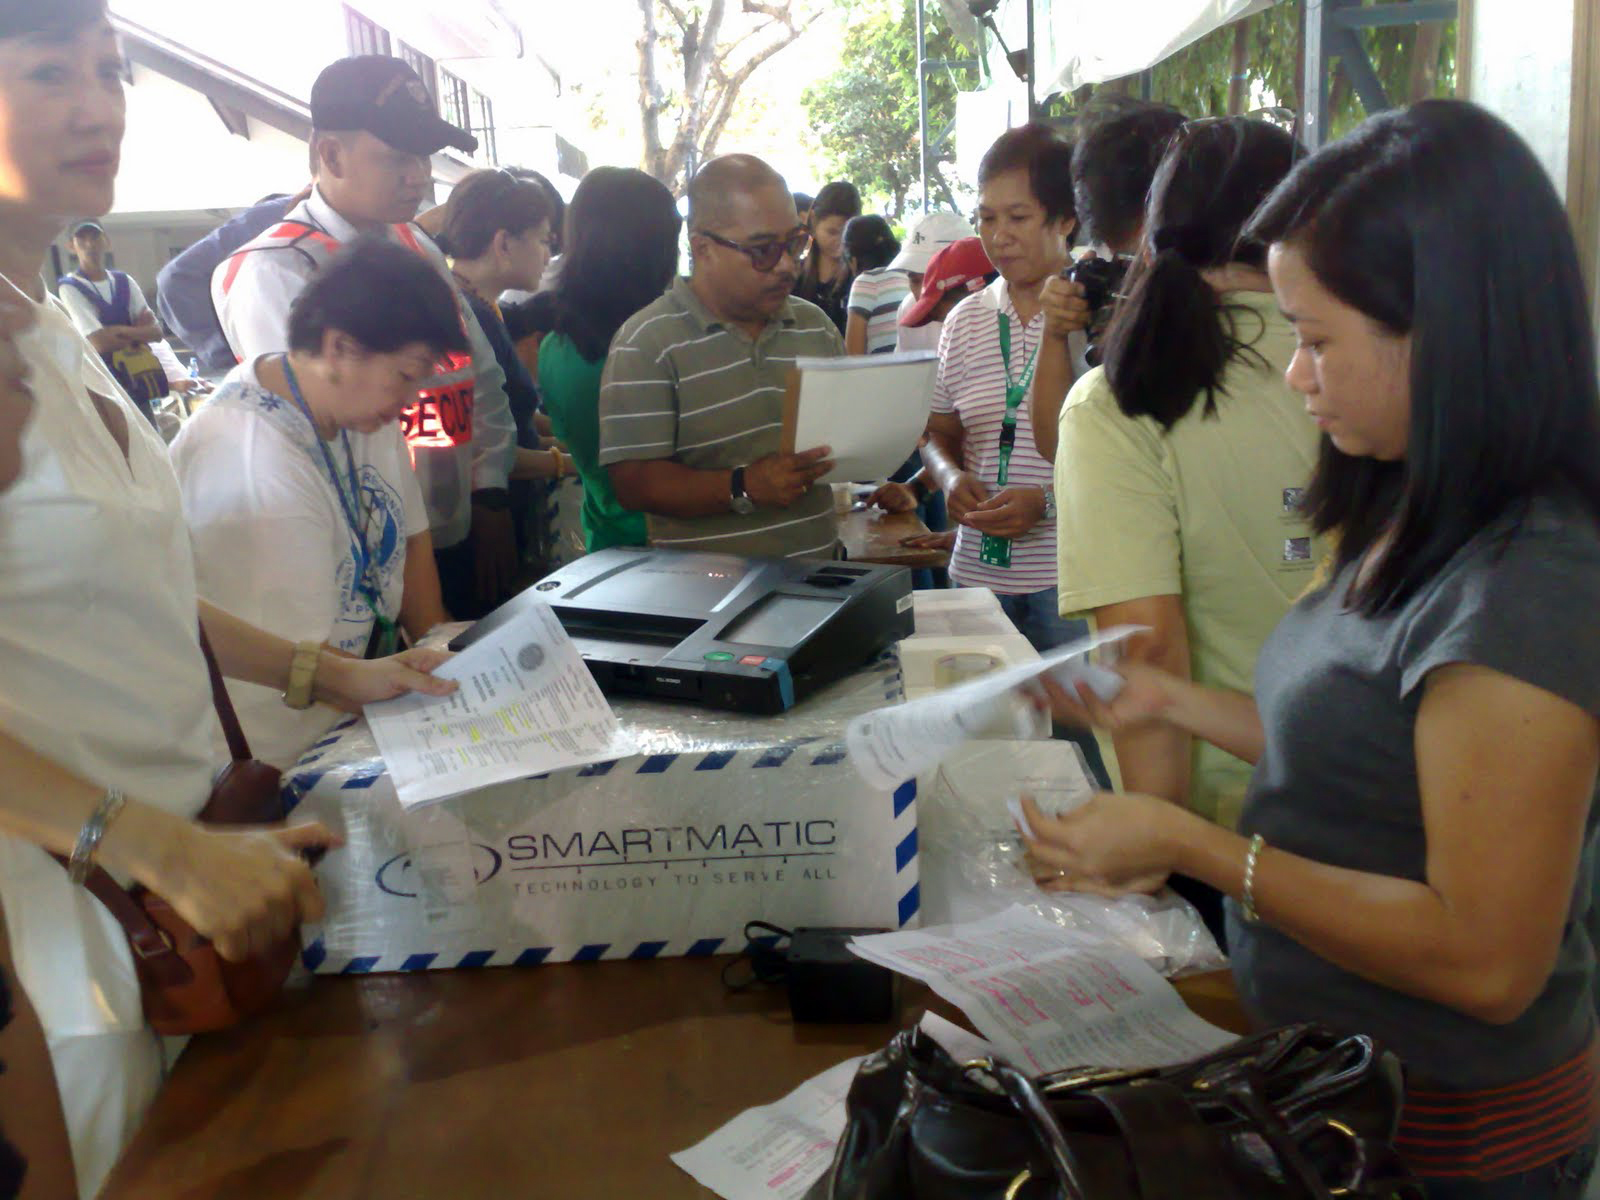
<point>719,656</point>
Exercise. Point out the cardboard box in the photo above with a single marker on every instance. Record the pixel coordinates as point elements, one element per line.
<point>720,820</point>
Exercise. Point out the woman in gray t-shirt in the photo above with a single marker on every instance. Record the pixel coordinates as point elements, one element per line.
<point>1415,855</point>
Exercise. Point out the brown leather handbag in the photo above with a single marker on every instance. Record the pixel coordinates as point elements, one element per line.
<point>1297,1113</point>
<point>186,985</point>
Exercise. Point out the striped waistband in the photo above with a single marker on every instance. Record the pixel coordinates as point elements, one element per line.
<point>1505,1130</point>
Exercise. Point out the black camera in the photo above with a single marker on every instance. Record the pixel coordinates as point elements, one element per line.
<point>1100,278</point>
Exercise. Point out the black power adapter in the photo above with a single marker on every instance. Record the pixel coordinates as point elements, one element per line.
<point>827,984</point>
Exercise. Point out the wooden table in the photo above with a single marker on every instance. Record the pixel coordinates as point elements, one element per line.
<point>873,536</point>
<point>568,1080</point>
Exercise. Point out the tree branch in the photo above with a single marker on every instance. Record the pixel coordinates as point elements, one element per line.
<point>677,14</point>
<point>649,90</point>
<point>723,110</point>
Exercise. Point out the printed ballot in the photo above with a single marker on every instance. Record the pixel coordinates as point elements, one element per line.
<point>871,410</point>
<point>777,1151</point>
<point>1047,999</point>
<point>893,744</point>
<point>526,706</point>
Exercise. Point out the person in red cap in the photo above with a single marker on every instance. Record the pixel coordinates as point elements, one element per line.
<point>953,274</point>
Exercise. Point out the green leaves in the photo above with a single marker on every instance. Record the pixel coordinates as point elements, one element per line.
<point>864,115</point>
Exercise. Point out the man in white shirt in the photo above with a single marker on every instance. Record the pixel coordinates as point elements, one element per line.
<point>108,307</point>
<point>375,130</point>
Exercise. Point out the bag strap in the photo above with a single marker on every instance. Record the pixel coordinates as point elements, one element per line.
<point>238,746</point>
<point>149,944</point>
<point>1030,1103</point>
<point>1170,1147</point>
<point>122,295</point>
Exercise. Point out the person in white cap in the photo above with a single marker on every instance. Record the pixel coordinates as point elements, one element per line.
<point>930,235</point>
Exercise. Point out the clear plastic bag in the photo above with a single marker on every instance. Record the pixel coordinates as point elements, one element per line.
<point>972,856</point>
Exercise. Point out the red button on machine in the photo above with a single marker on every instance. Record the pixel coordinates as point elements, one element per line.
<point>752,660</point>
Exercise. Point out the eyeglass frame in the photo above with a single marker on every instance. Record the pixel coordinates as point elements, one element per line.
<point>795,246</point>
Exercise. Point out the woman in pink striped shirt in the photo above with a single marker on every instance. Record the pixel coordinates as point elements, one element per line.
<point>980,450</point>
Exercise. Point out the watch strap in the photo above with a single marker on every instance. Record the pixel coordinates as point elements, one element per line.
<point>302,674</point>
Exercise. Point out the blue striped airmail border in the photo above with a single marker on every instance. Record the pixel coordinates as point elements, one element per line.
<point>903,801</point>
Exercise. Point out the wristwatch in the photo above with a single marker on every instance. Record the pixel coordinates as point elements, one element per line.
<point>737,496</point>
<point>302,674</point>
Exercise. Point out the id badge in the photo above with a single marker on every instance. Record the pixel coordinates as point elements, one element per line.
<point>995,551</point>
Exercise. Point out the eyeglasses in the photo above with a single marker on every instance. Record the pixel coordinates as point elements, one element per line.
<point>765,256</point>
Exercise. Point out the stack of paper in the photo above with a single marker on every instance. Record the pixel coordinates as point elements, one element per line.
<point>526,705</point>
<point>1046,1000</point>
<point>871,410</point>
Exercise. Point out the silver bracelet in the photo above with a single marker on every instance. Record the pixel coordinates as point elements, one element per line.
<point>1247,898</point>
<point>88,843</point>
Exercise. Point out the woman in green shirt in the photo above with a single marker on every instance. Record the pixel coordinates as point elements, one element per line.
<point>622,253</point>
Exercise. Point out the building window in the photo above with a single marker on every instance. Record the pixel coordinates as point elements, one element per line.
<point>365,36</point>
<point>424,67</point>
<point>483,128</point>
<point>453,103</point>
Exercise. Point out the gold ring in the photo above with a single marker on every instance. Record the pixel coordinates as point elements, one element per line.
<point>1017,1184</point>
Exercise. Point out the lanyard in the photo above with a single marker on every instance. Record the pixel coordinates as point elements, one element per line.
<point>385,637</point>
<point>1016,392</point>
<point>992,550</point>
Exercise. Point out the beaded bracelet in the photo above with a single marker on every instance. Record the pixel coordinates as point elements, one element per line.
<point>88,843</point>
<point>1247,899</point>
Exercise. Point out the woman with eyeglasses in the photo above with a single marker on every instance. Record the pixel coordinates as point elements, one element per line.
<point>1416,854</point>
<point>980,450</point>
<point>106,711</point>
<point>622,254</point>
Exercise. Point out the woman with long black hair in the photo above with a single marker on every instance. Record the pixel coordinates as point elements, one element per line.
<point>1415,856</point>
<point>622,253</point>
<point>1174,459</point>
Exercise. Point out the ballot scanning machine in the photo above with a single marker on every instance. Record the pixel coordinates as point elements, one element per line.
<point>751,634</point>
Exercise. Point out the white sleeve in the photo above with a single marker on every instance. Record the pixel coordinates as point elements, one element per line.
<point>494,431</point>
<point>176,371</point>
<point>137,304</point>
<point>84,317</point>
<point>260,524</point>
<point>253,309</point>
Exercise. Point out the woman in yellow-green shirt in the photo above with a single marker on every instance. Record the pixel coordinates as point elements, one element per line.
<point>1180,461</point>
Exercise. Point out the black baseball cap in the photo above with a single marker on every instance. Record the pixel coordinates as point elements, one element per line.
<point>83,227</point>
<point>387,99</point>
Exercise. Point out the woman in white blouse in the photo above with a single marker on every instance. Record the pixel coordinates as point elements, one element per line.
<point>106,716</point>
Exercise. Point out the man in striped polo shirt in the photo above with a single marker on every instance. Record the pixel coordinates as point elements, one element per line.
<point>691,402</point>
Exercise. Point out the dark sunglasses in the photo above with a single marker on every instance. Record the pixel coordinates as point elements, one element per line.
<point>765,256</point>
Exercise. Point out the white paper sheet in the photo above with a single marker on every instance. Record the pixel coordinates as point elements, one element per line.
<point>777,1151</point>
<point>871,410</point>
<point>526,705</point>
<point>893,744</point>
<point>1047,1000</point>
<point>960,612</point>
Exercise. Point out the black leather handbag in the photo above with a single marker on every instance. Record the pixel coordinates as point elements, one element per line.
<point>1295,1113</point>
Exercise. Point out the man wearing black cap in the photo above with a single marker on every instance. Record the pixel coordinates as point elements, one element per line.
<point>108,307</point>
<point>375,130</point>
